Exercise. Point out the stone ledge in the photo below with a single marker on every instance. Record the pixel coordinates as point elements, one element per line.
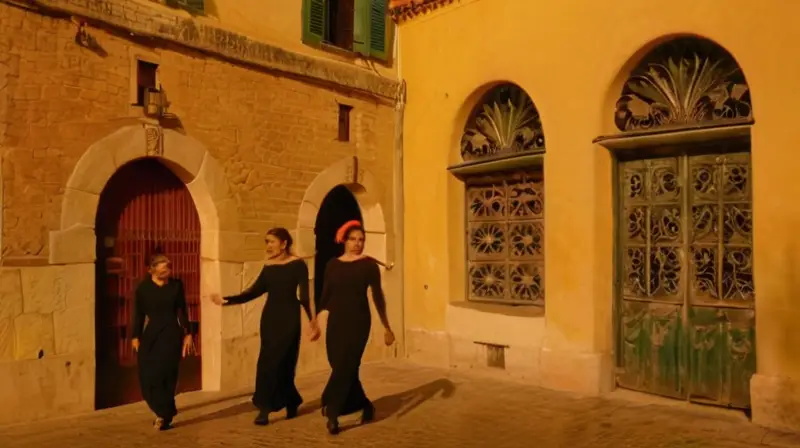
<point>73,245</point>
<point>505,310</point>
<point>146,21</point>
<point>482,324</point>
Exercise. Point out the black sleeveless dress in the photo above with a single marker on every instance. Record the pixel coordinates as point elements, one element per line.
<point>280,332</point>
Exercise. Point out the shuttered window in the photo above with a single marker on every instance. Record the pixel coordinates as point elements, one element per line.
<point>193,6</point>
<point>362,26</point>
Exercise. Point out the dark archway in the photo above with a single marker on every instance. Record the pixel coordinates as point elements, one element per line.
<point>144,208</point>
<point>338,207</point>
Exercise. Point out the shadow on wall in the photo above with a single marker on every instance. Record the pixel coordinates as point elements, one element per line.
<point>397,405</point>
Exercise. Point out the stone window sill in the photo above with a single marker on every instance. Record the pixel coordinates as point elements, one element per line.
<point>505,310</point>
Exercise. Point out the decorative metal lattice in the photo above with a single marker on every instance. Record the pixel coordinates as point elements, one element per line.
<point>684,82</point>
<point>505,238</point>
<point>715,230</point>
<point>505,122</point>
<point>687,311</point>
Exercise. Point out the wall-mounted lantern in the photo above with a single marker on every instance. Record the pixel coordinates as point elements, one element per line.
<point>155,102</point>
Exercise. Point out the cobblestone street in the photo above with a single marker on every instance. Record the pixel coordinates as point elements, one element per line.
<point>417,407</point>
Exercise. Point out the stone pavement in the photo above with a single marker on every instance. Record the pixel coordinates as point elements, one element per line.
<point>417,407</point>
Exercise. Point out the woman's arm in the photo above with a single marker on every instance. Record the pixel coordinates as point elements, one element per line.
<point>374,281</point>
<point>305,300</point>
<point>257,289</point>
<point>137,326</point>
<point>181,308</point>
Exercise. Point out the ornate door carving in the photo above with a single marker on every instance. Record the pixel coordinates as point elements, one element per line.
<point>687,314</point>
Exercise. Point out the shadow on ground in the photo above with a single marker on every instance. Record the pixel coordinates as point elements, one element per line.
<point>399,405</point>
<point>396,405</point>
<point>203,404</point>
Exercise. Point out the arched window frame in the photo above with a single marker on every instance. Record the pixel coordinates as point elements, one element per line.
<point>502,148</point>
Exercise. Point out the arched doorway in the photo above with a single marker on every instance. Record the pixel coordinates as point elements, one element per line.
<point>144,208</point>
<point>338,207</point>
<point>685,298</point>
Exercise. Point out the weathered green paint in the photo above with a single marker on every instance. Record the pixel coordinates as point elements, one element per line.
<point>722,355</point>
<point>685,304</point>
<point>652,343</point>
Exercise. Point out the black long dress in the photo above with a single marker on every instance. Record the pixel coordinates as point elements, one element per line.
<point>161,342</point>
<point>280,332</point>
<point>344,295</point>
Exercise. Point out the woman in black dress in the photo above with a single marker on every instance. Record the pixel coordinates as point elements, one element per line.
<point>160,345</point>
<point>280,279</point>
<point>344,296</point>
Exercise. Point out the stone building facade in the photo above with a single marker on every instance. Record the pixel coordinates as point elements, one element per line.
<point>253,131</point>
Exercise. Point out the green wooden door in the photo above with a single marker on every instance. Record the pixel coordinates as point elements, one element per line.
<point>686,317</point>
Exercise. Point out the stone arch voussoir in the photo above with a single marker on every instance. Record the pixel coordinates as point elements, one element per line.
<point>74,242</point>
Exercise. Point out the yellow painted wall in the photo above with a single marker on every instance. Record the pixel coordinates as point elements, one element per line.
<point>572,57</point>
<point>278,23</point>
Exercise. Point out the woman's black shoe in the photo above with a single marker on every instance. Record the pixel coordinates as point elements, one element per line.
<point>368,414</point>
<point>333,427</point>
<point>291,413</point>
<point>262,419</point>
<point>164,424</point>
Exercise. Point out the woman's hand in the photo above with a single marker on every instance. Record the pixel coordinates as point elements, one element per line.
<point>135,344</point>
<point>218,300</point>
<point>314,331</point>
<point>188,345</point>
<point>388,336</point>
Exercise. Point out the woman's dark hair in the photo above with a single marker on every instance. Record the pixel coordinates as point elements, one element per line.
<point>283,235</point>
<point>156,259</point>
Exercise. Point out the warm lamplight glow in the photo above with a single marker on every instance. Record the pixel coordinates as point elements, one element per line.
<point>153,102</point>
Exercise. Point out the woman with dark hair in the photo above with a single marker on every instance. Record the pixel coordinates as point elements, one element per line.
<point>280,278</point>
<point>160,345</point>
<point>344,296</point>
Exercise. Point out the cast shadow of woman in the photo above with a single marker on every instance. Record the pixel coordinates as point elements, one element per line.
<point>397,405</point>
<point>400,404</point>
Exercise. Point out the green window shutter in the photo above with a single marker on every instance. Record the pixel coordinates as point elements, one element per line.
<point>196,5</point>
<point>313,21</point>
<point>361,27</point>
<point>380,29</point>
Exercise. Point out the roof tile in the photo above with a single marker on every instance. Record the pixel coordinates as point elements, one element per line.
<point>402,10</point>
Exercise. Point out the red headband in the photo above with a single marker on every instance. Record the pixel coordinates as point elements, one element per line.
<point>342,232</point>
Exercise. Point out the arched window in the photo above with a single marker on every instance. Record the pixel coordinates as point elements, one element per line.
<point>683,83</point>
<point>503,148</point>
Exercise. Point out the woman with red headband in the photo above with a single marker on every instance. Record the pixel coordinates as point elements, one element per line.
<point>282,276</point>
<point>344,296</point>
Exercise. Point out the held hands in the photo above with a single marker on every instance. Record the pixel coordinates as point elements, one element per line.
<point>218,300</point>
<point>188,346</point>
<point>135,345</point>
<point>314,331</point>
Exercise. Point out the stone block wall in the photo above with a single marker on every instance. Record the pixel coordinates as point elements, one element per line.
<point>46,340</point>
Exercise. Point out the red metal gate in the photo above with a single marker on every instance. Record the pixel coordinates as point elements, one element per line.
<point>143,209</point>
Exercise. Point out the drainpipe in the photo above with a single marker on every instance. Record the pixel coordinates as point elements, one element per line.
<point>399,193</point>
